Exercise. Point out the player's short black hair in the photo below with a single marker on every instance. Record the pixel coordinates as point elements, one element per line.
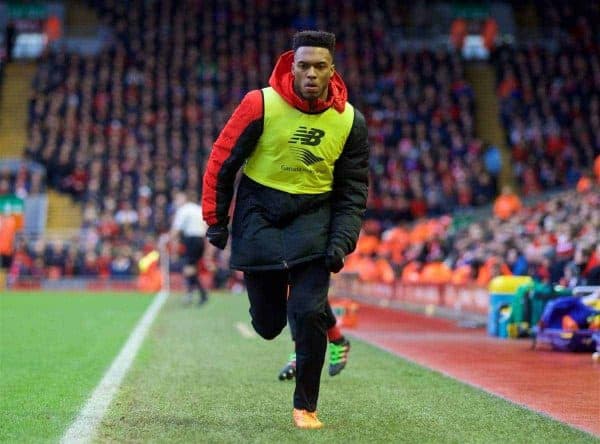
<point>321,39</point>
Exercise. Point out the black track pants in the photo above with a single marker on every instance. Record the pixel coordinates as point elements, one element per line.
<point>309,315</point>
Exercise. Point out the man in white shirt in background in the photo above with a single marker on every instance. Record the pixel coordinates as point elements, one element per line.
<point>189,226</point>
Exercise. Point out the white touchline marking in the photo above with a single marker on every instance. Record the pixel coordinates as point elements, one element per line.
<point>244,330</point>
<point>82,430</point>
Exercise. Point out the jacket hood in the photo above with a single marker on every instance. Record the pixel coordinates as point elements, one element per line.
<point>282,81</point>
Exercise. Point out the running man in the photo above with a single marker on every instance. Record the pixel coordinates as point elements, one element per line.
<point>300,200</point>
<point>189,227</point>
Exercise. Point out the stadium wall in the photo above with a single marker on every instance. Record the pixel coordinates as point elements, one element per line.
<point>465,302</point>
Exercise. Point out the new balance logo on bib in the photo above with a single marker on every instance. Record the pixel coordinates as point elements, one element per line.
<point>307,136</point>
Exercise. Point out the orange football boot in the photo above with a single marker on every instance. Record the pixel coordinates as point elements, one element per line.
<point>303,419</point>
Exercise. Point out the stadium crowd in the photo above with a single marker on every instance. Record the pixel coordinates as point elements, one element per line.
<point>551,110</point>
<point>550,100</point>
<point>21,181</point>
<point>123,130</point>
<point>555,241</point>
<point>561,19</point>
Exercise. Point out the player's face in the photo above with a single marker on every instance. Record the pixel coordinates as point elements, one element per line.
<point>312,69</point>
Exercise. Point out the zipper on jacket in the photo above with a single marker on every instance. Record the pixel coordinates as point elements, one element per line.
<point>285,264</point>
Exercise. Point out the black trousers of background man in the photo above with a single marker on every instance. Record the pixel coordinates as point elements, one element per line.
<point>306,308</point>
<point>193,253</point>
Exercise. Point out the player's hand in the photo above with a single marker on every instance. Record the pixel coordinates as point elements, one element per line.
<point>218,235</point>
<point>334,261</point>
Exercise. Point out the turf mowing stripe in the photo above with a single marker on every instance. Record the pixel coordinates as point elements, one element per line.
<point>83,428</point>
<point>244,330</point>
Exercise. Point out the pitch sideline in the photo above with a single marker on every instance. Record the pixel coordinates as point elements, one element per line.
<point>83,428</point>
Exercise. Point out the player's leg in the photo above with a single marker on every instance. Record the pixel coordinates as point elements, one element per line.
<point>267,292</point>
<point>194,250</point>
<point>309,283</point>
<point>189,270</point>
<point>288,371</point>
<point>198,254</point>
<point>339,346</point>
<point>190,275</point>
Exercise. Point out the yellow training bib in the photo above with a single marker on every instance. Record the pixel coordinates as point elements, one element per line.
<point>296,152</point>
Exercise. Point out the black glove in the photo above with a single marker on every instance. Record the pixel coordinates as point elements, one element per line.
<point>217,235</point>
<point>334,261</point>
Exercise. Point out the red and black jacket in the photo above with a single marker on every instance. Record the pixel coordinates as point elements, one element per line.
<point>272,229</point>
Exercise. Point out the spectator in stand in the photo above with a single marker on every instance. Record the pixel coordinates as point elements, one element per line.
<point>21,263</point>
<point>89,264</point>
<point>516,261</point>
<point>72,261</point>
<point>507,204</point>
<point>492,159</point>
<point>8,229</point>
<point>585,183</point>
<point>574,269</point>
<point>458,33</point>
<point>126,215</point>
<point>5,187</point>
<point>489,33</point>
<point>55,256</point>
<point>592,268</point>
<point>122,265</point>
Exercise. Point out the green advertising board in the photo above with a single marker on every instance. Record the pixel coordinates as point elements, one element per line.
<point>470,10</point>
<point>27,11</point>
<point>11,204</point>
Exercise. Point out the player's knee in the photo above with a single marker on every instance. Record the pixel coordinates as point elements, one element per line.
<point>268,330</point>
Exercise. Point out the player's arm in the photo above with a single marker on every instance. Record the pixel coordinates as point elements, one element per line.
<point>235,143</point>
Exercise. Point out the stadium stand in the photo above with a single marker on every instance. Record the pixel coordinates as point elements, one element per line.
<point>556,241</point>
<point>21,178</point>
<point>550,108</point>
<point>550,98</point>
<point>121,129</point>
<point>144,101</point>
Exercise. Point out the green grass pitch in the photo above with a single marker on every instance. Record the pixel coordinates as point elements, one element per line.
<point>198,380</point>
<point>54,348</point>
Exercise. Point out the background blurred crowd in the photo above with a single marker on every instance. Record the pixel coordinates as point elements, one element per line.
<point>123,130</point>
<point>21,181</point>
<point>120,131</point>
<point>555,241</point>
<point>550,99</point>
<point>551,110</point>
